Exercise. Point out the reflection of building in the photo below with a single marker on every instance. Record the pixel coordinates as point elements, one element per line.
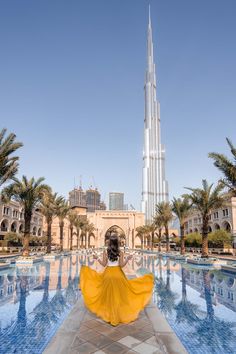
<point>223,287</point>
<point>12,220</point>
<point>10,284</point>
<point>116,201</point>
<point>155,188</point>
<point>223,218</point>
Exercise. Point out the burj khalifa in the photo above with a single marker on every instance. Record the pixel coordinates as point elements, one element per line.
<point>154,184</point>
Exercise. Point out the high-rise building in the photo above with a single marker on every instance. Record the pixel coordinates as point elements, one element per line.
<point>154,184</point>
<point>116,201</point>
<point>77,198</point>
<point>93,199</point>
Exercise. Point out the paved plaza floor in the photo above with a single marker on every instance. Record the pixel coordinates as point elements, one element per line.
<point>83,332</point>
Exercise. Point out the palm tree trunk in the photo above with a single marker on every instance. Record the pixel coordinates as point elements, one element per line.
<point>86,240</point>
<point>205,238</point>
<point>152,240</point>
<point>142,242</point>
<point>77,239</point>
<point>71,237</point>
<point>159,240</point>
<point>182,239</point>
<point>49,236</point>
<point>167,239</point>
<point>27,217</point>
<point>61,225</point>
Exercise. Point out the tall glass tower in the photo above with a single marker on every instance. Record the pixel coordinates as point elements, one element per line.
<point>154,184</point>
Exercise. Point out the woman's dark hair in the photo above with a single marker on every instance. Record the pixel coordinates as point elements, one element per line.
<point>113,250</point>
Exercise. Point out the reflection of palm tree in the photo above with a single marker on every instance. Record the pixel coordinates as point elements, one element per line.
<point>43,311</point>
<point>58,301</point>
<point>210,329</point>
<point>166,295</point>
<point>185,310</point>
<point>70,294</point>
<point>19,328</point>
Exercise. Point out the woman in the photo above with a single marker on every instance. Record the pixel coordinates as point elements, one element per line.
<point>110,295</point>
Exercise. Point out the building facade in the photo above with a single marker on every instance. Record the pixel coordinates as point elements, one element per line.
<point>154,184</point>
<point>12,220</point>
<point>223,218</point>
<point>104,221</point>
<point>116,201</point>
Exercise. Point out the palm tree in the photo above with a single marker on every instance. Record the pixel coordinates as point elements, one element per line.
<point>72,217</point>
<point>142,232</point>
<point>159,225</point>
<point>62,210</point>
<point>181,208</point>
<point>164,211</point>
<point>29,194</point>
<point>227,167</point>
<point>8,163</point>
<point>205,200</point>
<point>48,209</point>
<point>150,230</point>
<point>87,230</point>
<point>79,224</point>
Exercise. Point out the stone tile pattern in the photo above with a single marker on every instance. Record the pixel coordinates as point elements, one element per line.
<point>97,336</point>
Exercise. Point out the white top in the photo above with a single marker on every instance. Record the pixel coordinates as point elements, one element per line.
<point>112,264</point>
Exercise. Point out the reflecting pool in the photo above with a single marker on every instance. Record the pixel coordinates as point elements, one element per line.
<point>198,303</point>
<point>33,303</point>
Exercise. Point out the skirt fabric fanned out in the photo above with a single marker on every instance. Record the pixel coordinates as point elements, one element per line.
<point>113,297</point>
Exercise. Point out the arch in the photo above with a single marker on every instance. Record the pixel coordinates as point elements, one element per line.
<point>209,228</point>
<point>216,226</point>
<point>230,282</point>
<point>21,228</point>
<point>40,232</point>
<point>196,229</point>
<point>138,241</point>
<point>91,240</point>
<point>4,225</point>
<point>226,226</point>
<point>115,229</point>
<point>14,226</point>
<point>34,231</point>
<point>190,231</point>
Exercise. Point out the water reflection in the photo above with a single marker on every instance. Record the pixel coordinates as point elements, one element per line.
<point>45,294</point>
<point>199,304</point>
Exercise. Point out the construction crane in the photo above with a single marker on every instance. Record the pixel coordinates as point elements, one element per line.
<point>132,207</point>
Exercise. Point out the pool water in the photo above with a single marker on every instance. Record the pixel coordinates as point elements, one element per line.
<point>33,303</point>
<point>198,303</point>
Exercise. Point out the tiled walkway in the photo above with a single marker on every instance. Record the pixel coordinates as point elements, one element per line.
<point>96,336</point>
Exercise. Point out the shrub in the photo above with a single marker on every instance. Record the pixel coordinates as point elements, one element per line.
<point>219,239</point>
<point>193,240</point>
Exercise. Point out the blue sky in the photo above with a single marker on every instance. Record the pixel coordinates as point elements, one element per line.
<point>71,88</point>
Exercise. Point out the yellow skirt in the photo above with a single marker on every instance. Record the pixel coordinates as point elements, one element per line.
<point>113,297</point>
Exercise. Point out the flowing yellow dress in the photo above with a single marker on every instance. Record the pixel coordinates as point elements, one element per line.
<point>113,297</point>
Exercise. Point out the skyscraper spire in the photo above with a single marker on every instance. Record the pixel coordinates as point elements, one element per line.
<point>154,186</point>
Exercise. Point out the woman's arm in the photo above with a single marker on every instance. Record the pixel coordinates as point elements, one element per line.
<point>123,261</point>
<point>103,262</point>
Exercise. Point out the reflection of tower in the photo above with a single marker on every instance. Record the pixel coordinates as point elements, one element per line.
<point>154,186</point>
